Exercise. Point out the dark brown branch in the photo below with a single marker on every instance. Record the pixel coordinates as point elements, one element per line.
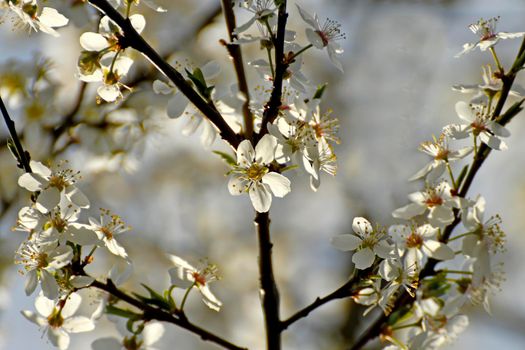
<point>342,292</point>
<point>269,291</point>
<point>236,55</point>
<point>152,313</point>
<point>23,156</point>
<point>272,107</point>
<point>133,39</point>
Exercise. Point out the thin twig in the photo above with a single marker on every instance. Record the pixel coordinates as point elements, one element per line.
<point>272,107</point>
<point>22,154</point>
<point>342,292</point>
<point>152,313</point>
<point>236,54</point>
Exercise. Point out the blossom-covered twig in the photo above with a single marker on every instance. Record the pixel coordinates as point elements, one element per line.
<point>480,156</point>
<point>133,39</point>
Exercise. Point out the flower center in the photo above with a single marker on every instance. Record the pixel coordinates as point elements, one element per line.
<point>414,240</point>
<point>434,200</point>
<point>55,320</point>
<point>41,260</point>
<point>106,232</point>
<point>199,278</point>
<point>256,171</point>
<point>58,182</point>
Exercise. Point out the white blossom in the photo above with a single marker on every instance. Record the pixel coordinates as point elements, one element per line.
<point>367,242</point>
<point>58,320</point>
<point>183,275</point>
<point>486,30</point>
<point>252,174</point>
<point>325,35</point>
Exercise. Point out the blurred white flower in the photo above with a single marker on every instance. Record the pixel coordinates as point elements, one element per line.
<point>479,125</point>
<point>58,320</point>
<point>185,276</point>
<point>31,17</point>
<point>151,333</point>
<point>486,30</point>
<point>325,35</point>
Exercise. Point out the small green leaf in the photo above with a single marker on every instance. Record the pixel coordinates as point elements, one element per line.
<point>230,160</point>
<point>113,310</point>
<point>320,91</point>
<point>197,78</point>
<point>462,175</point>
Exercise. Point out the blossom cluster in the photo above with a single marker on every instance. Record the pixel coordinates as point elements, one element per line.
<point>423,255</point>
<point>54,257</point>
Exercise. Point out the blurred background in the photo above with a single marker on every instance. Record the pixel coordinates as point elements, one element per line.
<point>396,93</point>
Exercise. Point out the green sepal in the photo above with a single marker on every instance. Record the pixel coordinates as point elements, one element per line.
<point>154,298</point>
<point>113,310</point>
<point>400,315</point>
<point>226,157</point>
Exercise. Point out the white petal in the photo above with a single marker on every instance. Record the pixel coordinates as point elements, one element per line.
<point>44,306</point>
<point>307,17</point>
<point>109,93</point>
<point>409,211</point>
<point>160,87</point>
<point>152,333</point>
<point>314,38</point>
<point>33,317</point>
<point>211,70</point>
<point>77,197</point>
<point>265,149</point>
<point>138,22</point>
<point>49,285</point>
<point>115,248</point>
<point>383,250</point>
<point>78,324</point>
<point>209,299</point>
<point>279,184</point>
<point>245,153</point>
<point>58,338</point>
<point>31,182</point>
<point>333,52</point>
<point>493,142</point>
<point>441,215</point>
<point>346,242</point>
<point>52,18</point>
<point>107,344</point>
<point>438,250</point>
<point>466,48</point>
<point>31,282</point>
<point>237,185</point>
<point>48,200</point>
<point>72,304</point>
<point>465,112</point>
<point>179,280</point>
<point>81,281</point>
<point>498,129</point>
<point>363,258</point>
<point>93,41</point>
<point>505,35</point>
<point>260,197</point>
<point>176,105</point>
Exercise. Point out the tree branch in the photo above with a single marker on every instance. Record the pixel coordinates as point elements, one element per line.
<point>23,156</point>
<point>269,291</point>
<point>342,292</point>
<point>272,107</point>
<point>236,55</point>
<point>135,40</point>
